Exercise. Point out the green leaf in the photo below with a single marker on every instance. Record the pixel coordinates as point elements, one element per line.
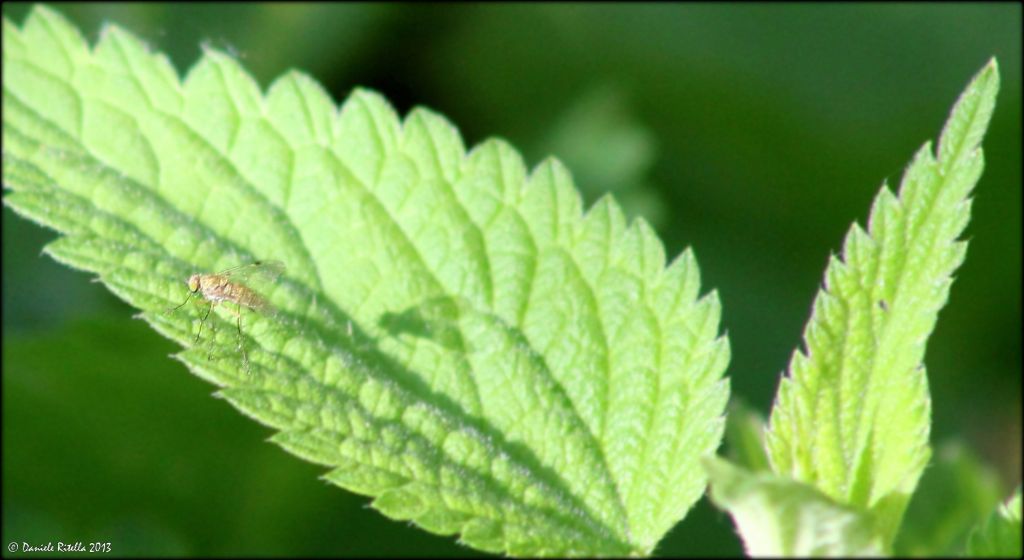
<point>609,149</point>
<point>1000,534</point>
<point>955,492</point>
<point>778,516</point>
<point>453,336</point>
<point>852,417</point>
<point>744,436</point>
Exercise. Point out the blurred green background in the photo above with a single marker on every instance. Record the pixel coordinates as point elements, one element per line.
<point>754,133</point>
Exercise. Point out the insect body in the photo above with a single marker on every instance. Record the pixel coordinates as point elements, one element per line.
<point>228,285</point>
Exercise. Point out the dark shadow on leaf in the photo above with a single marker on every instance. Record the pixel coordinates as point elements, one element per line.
<point>435,319</point>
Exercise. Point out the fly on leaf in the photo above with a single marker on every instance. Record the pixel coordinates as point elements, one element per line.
<point>231,286</point>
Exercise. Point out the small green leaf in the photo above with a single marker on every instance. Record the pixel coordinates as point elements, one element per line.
<point>453,336</point>
<point>852,417</point>
<point>777,516</point>
<point>744,437</point>
<point>956,490</point>
<point>609,149</point>
<point>1000,535</point>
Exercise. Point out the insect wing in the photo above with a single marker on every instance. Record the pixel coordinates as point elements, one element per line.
<point>249,280</point>
<point>267,271</point>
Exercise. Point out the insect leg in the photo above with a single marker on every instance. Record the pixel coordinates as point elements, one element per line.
<point>203,321</point>
<point>173,309</point>
<point>241,341</point>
